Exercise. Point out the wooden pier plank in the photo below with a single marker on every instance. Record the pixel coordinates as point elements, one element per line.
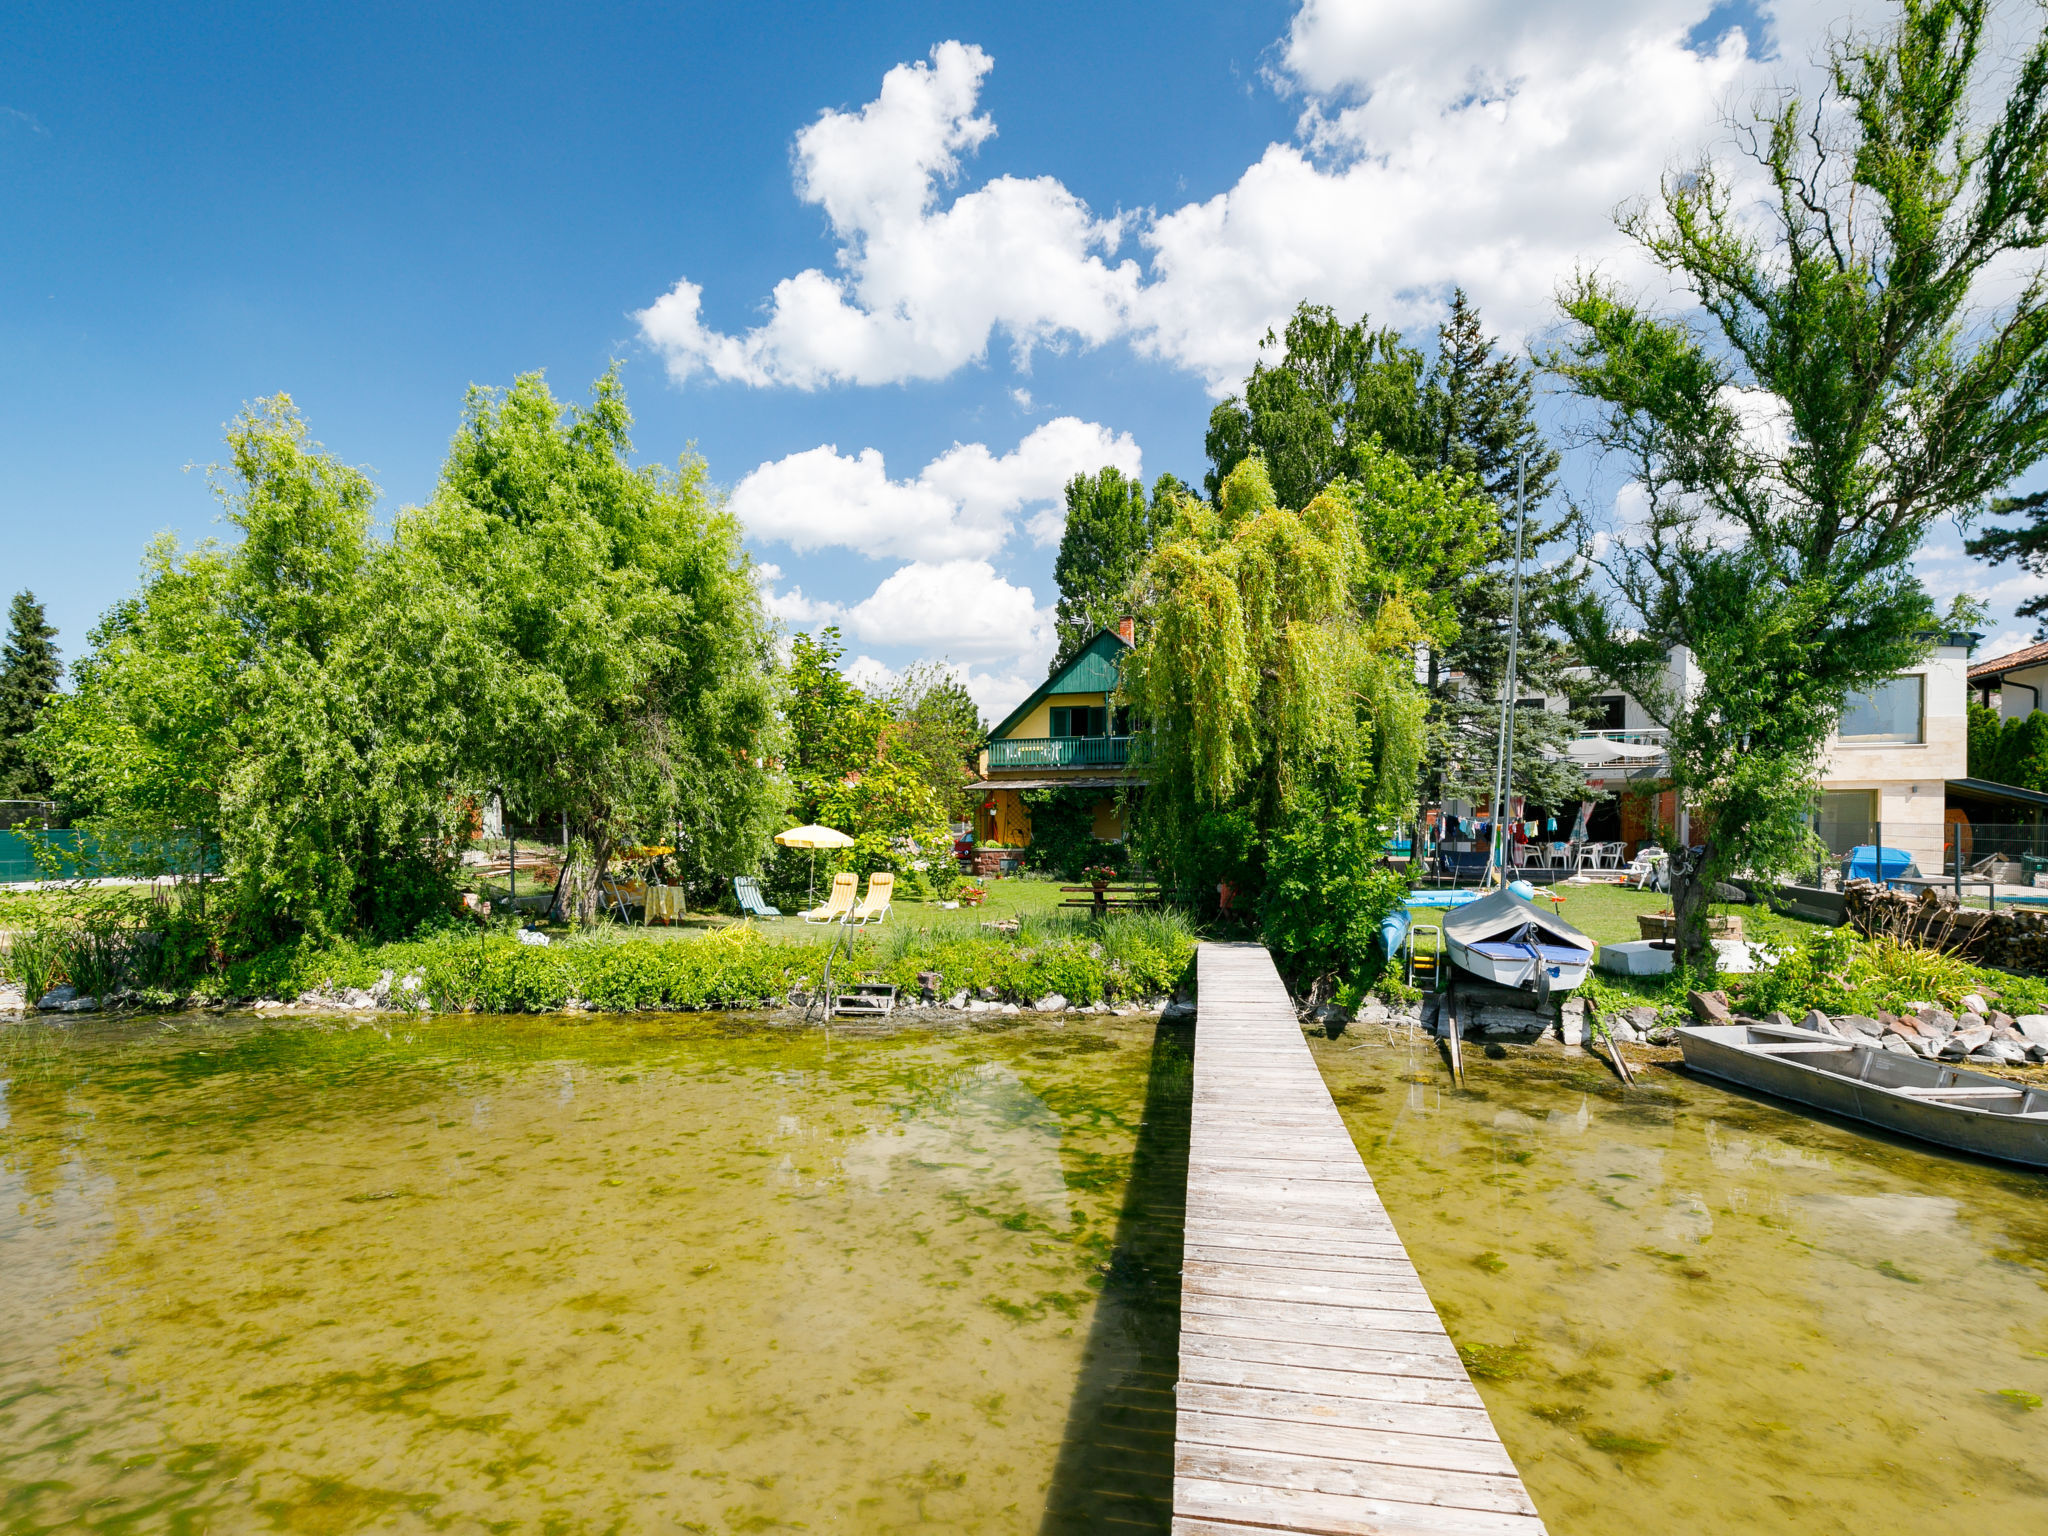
<point>1318,1390</point>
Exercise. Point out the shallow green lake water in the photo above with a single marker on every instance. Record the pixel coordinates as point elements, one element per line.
<point>1691,1310</point>
<point>690,1273</point>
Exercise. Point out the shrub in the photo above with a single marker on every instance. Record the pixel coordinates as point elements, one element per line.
<point>1326,893</point>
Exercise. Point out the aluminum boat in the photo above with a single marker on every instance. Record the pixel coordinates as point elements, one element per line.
<point>1511,942</point>
<point>1930,1101</point>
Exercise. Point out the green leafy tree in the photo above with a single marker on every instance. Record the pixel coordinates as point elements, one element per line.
<point>1268,697</point>
<point>630,667</point>
<point>292,708</point>
<point>855,765</point>
<point>1334,395</point>
<point>938,720</point>
<point>1850,382</point>
<point>1107,537</point>
<point>29,674</point>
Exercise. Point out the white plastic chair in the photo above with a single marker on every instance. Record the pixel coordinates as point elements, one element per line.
<point>1647,871</point>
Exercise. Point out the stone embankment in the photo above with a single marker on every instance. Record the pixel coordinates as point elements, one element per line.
<point>1980,1034</point>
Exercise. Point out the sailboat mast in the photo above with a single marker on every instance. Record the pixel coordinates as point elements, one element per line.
<point>1511,686</point>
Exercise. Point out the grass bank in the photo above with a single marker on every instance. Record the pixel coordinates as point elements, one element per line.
<point>1123,957</point>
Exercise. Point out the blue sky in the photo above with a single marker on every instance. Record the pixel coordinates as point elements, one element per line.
<point>895,270</point>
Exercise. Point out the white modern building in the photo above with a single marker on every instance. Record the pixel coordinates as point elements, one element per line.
<point>1885,773</point>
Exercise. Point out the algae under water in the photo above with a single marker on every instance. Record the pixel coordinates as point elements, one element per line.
<point>690,1273</point>
<point>1690,1309</point>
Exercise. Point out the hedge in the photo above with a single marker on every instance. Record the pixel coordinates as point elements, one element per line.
<point>492,972</point>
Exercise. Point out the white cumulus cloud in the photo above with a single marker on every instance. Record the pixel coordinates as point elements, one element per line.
<point>962,505</point>
<point>990,633</point>
<point>1482,143</point>
<point>920,288</point>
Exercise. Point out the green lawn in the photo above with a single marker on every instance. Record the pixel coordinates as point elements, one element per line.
<point>1607,913</point>
<point>1007,898</point>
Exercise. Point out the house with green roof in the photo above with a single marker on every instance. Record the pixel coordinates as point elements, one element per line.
<point>1069,734</point>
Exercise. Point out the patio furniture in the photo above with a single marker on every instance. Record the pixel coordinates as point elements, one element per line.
<point>838,903</point>
<point>1647,872</point>
<point>746,890</point>
<point>874,908</point>
<point>1559,855</point>
<point>669,903</point>
<point>1458,863</point>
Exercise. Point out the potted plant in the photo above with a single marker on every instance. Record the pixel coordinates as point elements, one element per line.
<point>1098,877</point>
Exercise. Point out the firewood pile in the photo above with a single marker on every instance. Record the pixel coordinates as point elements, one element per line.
<point>2012,940</point>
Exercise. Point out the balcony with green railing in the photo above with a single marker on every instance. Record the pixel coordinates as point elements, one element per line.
<point>1059,752</point>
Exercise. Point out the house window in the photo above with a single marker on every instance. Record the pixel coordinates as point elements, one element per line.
<point>1889,712</point>
<point>1610,713</point>
<point>1847,819</point>
<point>1080,720</point>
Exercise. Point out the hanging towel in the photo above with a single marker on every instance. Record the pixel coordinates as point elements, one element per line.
<point>1529,830</point>
<point>1550,824</point>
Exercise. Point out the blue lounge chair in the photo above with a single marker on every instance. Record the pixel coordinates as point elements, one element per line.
<point>747,891</point>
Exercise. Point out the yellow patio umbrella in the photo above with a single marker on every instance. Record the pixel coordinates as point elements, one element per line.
<point>813,838</point>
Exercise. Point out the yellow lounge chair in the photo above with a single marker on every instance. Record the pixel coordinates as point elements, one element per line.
<point>838,904</point>
<point>876,907</point>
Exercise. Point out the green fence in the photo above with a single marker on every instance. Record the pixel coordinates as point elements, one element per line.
<point>18,863</point>
<point>81,858</point>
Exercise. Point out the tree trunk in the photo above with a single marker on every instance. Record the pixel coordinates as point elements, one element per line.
<point>1690,892</point>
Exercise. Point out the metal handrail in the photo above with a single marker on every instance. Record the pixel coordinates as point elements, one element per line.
<point>1060,752</point>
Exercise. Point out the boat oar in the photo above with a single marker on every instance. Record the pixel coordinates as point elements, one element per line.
<point>1451,1039</point>
<point>1614,1053</point>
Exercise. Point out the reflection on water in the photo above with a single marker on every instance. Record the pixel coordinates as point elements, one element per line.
<point>1692,1310</point>
<point>536,1275</point>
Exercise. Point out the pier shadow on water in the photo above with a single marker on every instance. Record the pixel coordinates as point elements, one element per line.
<point>1115,1467</point>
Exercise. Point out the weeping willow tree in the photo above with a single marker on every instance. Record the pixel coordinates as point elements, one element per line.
<point>1276,675</point>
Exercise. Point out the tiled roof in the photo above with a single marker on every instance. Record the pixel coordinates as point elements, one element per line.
<point>1992,670</point>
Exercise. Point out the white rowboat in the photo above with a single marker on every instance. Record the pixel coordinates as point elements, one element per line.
<point>1514,943</point>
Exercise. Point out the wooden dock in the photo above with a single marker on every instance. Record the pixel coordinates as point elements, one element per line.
<point>1318,1390</point>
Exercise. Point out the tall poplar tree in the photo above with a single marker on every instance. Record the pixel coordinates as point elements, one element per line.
<point>29,673</point>
<point>1108,534</point>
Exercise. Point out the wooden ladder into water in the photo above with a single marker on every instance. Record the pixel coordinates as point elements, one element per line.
<point>1318,1390</point>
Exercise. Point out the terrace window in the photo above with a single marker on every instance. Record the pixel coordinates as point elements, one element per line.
<point>1892,711</point>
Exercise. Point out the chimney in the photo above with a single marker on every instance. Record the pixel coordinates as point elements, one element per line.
<point>1127,630</point>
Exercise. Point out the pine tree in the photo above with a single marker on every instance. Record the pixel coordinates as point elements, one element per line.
<point>1107,537</point>
<point>29,670</point>
<point>1479,411</point>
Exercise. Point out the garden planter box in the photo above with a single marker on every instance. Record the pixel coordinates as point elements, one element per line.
<point>991,862</point>
<point>1662,925</point>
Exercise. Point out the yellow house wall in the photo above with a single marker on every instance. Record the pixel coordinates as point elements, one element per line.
<point>1109,820</point>
<point>1039,722</point>
<point>1009,823</point>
